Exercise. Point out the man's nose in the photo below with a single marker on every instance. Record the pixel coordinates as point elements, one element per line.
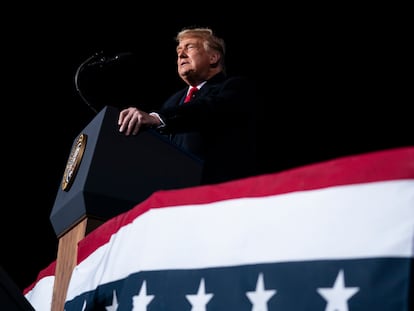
<point>182,54</point>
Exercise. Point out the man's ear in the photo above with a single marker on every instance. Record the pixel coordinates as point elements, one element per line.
<point>214,59</point>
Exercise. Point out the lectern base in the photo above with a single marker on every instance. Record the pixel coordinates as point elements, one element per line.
<point>66,259</point>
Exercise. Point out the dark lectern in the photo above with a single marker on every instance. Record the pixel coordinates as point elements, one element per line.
<point>107,173</point>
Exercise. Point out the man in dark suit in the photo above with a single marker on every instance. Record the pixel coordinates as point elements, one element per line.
<point>217,123</point>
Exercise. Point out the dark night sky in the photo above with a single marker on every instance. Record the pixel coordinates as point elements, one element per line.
<point>334,86</point>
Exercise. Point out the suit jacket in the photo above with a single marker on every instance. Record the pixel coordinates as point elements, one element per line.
<point>218,126</point>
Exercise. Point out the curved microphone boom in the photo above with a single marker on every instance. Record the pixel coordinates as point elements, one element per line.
<point>105,60</point>
<point>97,59</point>
<point>78,71</point>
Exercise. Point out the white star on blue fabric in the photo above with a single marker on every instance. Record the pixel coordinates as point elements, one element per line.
<point>84,305</point>
<point>142,300</point>
<point>200,300</point>
<point>114,305</point>
<point>338,295</point>
<point>260,296</point>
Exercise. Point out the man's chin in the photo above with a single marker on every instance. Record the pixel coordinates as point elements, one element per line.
<point>185,73</point>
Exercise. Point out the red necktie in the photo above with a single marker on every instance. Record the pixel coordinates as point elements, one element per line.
<point>190,94</point>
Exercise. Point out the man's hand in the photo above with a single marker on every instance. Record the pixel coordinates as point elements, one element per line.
<point>131,120</point>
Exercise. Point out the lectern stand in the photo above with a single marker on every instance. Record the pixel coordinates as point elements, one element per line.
<point>108,173</point>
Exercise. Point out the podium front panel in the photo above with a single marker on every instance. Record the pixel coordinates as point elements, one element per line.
<point>108,173</point>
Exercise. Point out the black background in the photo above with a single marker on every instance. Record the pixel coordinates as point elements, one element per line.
<point>334,81</point>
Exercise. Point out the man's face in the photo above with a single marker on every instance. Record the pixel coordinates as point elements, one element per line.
<point>193,61</point>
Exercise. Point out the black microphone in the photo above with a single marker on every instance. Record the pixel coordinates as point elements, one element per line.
<point>105,60</point>
<point>97,59</point>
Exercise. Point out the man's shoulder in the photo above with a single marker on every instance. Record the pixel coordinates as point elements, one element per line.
<point>223,79</point>
<point>239,82</point>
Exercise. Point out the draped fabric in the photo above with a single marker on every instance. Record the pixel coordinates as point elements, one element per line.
<point>337,234</point>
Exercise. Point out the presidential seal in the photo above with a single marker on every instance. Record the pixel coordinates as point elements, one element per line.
<point>74,161</point>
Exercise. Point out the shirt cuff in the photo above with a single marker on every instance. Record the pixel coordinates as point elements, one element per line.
<point>159,118</point>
